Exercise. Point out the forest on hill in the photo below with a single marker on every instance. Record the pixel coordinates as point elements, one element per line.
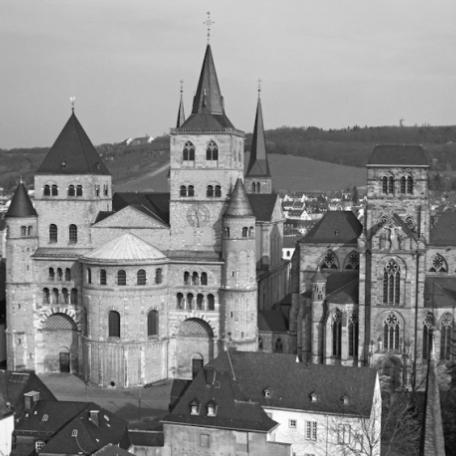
<point>349,146</point>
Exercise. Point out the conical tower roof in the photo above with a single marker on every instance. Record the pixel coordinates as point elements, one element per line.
<point>72,153</point>
<point>21,206</point>
<point>239,205</point>
<point>208,111</point>
<point>258,162</point>
<point>180,113</point>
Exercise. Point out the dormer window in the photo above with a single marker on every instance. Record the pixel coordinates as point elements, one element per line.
<point>211,408</point>
<point>267,393</point>
<point>345,400</point>
<point>313,397</point>
<point>194,407</point>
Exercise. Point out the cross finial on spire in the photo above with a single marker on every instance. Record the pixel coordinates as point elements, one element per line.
<point>21,181</point>
<point>181,86</point>
<point>72,101</point>
<point>259,87</point>
<point>208,22</point>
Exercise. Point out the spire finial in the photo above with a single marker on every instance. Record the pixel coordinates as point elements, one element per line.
<point>259,87</point>
<point>208,22</point>
<point>72,101</point>
<point>181,87</point>
<point>21,181</point>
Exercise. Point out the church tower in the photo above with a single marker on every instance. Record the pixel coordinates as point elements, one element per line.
<point>258,178</point>
<point>239,286</point>
<point>21,243</point>
<point>206,160</point>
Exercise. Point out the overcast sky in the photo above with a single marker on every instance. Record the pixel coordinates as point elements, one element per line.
<point>328,63</point>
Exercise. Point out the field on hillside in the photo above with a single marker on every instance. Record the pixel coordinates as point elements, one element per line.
<point>289,173</point>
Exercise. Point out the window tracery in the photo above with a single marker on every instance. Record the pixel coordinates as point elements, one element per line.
<point>330,261</point>
<point>439,264</point>
<point>391,283</point>
<point>391,330</point>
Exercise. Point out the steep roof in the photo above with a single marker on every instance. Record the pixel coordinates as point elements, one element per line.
<point>180,113</point>
<point>291,383</point>
<point>258,163</point>
<point>239,204</point>
<point>272,320</point>
<point>126,248</point>
<point>72,153</point>
<point>398,154</point>
<point>208,112</point>
<point>263,205</point>
<point>334,227</point>
<point>155,204</point>
<point>440,292</point>
<point>21,205</point>
<point>342,287</point>
<point>444,231</point>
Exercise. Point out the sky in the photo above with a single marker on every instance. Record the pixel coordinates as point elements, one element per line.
<point>325,63</point>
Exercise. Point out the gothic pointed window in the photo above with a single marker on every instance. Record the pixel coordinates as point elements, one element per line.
<point>52,233</point>
<point>352,260</point>
<point>391,184</point>
<point>210,191</point>
<point>446,337</point>
<point>71,190</point>
<point>330,261</point>
<point>353,336</point>
<point>337,334</point>
<point>384,184</point>
<point>73,234</point>
<point>410,184</point>
<point>391,283</point>
<point>403,184</point>
<point>391,331</point>
<point>212,151</point>
<point>428,333</point>
<point>439,264</point>
<point>114,324</point>
<point>152,323</point>
<point>188,154</point>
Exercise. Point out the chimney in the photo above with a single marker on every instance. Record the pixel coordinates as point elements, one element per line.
<point>30,399</point>
<point>94,417</point>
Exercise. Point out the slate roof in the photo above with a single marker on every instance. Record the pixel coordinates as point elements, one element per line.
<point>444,231</point>
<point>180,113</point>
<point>398,154</point>
<point>239,204</point>
<point>263,205</point>
<point>258,163</point>
<point>155,205</point>
<point>112,450</point>
<point>291,383</point>
<point>440,292</point>
<point>146,438</point>
<point>272,320</point>
<point>72,153</point>
<point>127,248</point>
<point>21,205</point>
<point>334,227</point>
<point>342,287</point>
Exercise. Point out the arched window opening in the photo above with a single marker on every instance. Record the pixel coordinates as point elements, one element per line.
<point>51,274</point>
<point>158,276</point>
<point>352,261</point>
<point>212,151</point>
<point>189,151</point>
<point>73,234</point>
<point>102,276</point>
<point>253,187</point>
<point>226,231</point>
<point>251,231</point>
<point>218,191</point>
<point>121,277</point>
<point>74,296</point>
<point>55,296</point>
<point>391,184</point>
<point>384,184</point>
<point>199,301</point>
<point>23,231</point>
<point>210,191</point>
<point>260,343</point>
<point>428,335</point>
<point>337,334</point>
<point>330,261</point>
<point>71,190</point>
<point>65,295</point>
<point>403,184</point>
<point>186,278</point>
<point>353,329</point>
<point>78,190</point>
<point>97,190</point>
<point>54,190</point>
<point>59,274</point>
<point>410,184</point>
<point>47,190</point>
<point>141,277</point>
<point>210,302</point>
<point>391,333</point>
<point>152,323</point>
<point>190,301</point>
<point>67,274</point>
<point>191,190</point>
<point>183,190</point>
<point>245,231</point>
<point>180,300</point>
<point>105,189</point>
<point>89,275</point>
<point>45,295</point>
<point>52,233</point>
<point>211,408</point>
<point>204,278</point>
<point>439,264</point>
<point>391,283</point>
<point>446,337</point>
<point>114,324</point>
<point>195,278</point>
<point>278,346</point>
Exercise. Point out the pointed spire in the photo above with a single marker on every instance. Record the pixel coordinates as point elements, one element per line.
<point>21,205</point>
<point>180,112</point>
<point>258,162</point>
<point>239,205</point>
<point>72,153</point>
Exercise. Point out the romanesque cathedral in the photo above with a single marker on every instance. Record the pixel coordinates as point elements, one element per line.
<point>127,289</point>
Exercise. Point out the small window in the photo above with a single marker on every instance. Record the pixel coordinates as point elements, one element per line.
<point>97,190</point>
<point>311,430</point>
<point>158,276</point>
<point>313,397</point>
<point>55,296</point>
<point>89,275</point>
<point>180,300</point>
<point>210,191</point>
<point>105,190</point>
<point>292,424</point>
<point>194,407</point>
<point>211,408</point>
<point>141,277</point>
<point>121,277</point>
<point>23,231</point>
<point>403,184</point>
<point>51,274</point>
<point>55,190</point>
<point>212,151</point>
<point>46,298</point>
<point>67,274</point>
<point>251,231</point>
<point>210,302</point>
<point>47,190</point>
<point>183,190</point>
<point>203,278</point>
<point>74,433</point>
<point>102,276</point>
<point>343,434</point>
<point>78,190</point>
<point>39,444</point>
<point>190,301</point>
<point>410,184</point>
<point>59,274</point>
<point>191,190</point>
<point>204,440</point>
<point>114,324</point>
<point>52,233</point>
<point>74,296</point>
<point>45,417</point>
<point>195,278</point>
<point>152,323</point>
<point>71,190</point>
<point>245,232</point>
<point>188,154</point>
<point>65,295</point>
<point>218,191</point>
<point>73,234</point>
<point>29,230</point>
<point>199,301</point>
<point>186,278</point>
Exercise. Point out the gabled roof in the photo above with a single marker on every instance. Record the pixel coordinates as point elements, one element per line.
<point>398,154</point>
<point>440,292</point>
<point>291,383</point>
<point>155,204</point>
<point>21,205</point>
<point>126,248</point>
<point>72,153</point>
<point>239,204</point>
<point>208,112</point>
<point>272,320</point>
<point>342,287</point>
<point>444,231</point>
<point>334,227</point>
<point>258,163</point>
<point>263,205</point>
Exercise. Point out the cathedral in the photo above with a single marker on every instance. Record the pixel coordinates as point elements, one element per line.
<point>127,289</point>
<point>380,291</point>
